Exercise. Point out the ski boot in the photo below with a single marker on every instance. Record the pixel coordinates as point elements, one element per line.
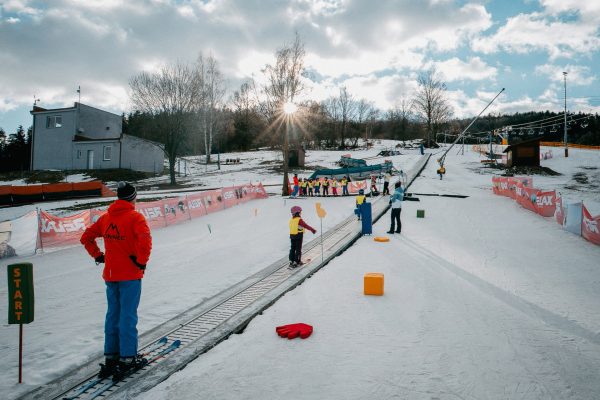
<point>108,368</point>
<point>127,366</point>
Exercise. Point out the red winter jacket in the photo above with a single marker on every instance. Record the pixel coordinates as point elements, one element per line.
<point>125,233</point>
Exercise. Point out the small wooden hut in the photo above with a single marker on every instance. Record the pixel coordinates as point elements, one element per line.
<point>526,153</point>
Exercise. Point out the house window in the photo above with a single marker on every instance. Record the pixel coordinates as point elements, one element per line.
<point>54,121</point>
<point>78,153</point>
<point>107,153</point>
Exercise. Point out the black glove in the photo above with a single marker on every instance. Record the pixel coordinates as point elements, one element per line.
<point>140,266</point>
<point>100,259</point>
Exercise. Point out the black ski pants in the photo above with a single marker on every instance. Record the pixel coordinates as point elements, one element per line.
<point>396,220</point>
<point>296,247</point>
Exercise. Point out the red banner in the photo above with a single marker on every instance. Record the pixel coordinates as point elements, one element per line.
<point>195,204</point>
<point>59,232</point>
<point>528,199</point>
<point>590,227</point>
<point>212,200</point>
<point>355,186</point>
<point>231,196</point>
<point>176,210</point>
<point>259,192</point>
<point>153,212</point>
<point>545,203</point>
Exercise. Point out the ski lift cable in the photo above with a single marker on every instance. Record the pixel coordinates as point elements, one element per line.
<point>559,121</point>
<point>526,124</point>
<point>442,158</point>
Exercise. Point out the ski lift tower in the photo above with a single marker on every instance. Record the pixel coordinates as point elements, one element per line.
<point>443,157</point>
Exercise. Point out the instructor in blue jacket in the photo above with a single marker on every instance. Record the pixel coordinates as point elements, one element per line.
<point>396,203</point>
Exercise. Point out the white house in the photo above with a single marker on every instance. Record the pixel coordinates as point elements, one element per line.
<point>84,137</point>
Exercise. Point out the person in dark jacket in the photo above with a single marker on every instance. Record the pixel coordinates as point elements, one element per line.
<point>127,243</point>
<point>297,226</point>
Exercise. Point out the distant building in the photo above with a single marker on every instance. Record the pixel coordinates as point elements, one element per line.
<point>296,157</point>
<point>526,153</point>
<point>83,137</point>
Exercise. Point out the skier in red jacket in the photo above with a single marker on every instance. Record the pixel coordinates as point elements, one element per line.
<point>127,243</point>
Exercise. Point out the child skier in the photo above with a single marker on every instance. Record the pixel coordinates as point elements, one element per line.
<point>297,226</point>
<point>296,186</point>
<point>317,186</point>
<point>360,200</point>
<point>334,186</point>
<point>344,183</point>
<point>325,185</point>
<point>441,171</point>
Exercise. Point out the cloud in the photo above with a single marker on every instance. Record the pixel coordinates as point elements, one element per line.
<point>474,69</point>
<point>375,49</point>
<point>576,74</point>
<point>550,31</point>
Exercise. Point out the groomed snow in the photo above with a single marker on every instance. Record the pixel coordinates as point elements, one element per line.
<point>483,299</point>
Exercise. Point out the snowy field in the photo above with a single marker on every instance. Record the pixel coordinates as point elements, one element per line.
<point>483,299</point>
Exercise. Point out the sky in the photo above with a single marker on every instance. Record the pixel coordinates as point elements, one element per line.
<point>376,49</point>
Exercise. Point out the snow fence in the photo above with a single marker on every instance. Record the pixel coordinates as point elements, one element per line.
<point>573,217</point>
<point>42,230</point>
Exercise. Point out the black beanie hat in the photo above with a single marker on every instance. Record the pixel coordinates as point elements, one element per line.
<point>126,192</point>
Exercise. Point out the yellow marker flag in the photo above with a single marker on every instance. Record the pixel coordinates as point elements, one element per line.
<point>320,211</point>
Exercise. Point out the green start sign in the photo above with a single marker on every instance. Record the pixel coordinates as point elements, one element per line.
<point>20,293</point>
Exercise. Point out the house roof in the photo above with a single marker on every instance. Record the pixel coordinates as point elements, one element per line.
<point>525,142</point>
<point>81,138</point>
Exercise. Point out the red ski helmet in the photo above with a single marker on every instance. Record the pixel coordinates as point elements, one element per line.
<point>296,210</point>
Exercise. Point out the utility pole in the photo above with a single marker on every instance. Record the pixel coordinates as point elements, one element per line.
<point>566,147</point>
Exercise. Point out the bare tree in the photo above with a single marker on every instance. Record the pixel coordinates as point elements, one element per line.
<point>331,108</point>
<point>246,121</point>
<point>364,113</point>
<point>169,96</point>
<point>399,118</point>
<point>347,109</point>
<point>284,84</point>
<point>211,100</point>
<point>430,101</point>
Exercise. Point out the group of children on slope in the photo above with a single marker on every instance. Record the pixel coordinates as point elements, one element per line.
<point>312,187</point>
<point>297,224</point>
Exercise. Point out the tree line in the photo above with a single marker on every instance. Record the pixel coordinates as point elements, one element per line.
<point>15,150</point>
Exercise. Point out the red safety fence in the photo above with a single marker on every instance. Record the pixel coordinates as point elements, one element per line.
<point>590,227</point>
<point>20,236</point>
<point>544,203</point>
<point>57,232</point>
<point>10,195</point>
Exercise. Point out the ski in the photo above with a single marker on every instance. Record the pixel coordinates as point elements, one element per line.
<point>159,343</point>
<point>173,346</point>
<point>304,262</point>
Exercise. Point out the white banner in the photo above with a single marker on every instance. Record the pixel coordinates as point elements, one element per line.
<point>19,236</point>
<point>574,218</point>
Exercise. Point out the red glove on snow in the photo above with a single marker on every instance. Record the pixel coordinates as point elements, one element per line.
<point>292,331</point>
